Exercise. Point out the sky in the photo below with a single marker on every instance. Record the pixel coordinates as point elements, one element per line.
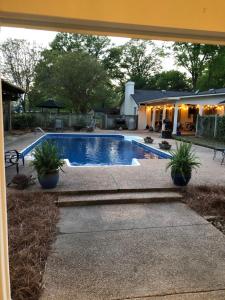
<point>43,38</point>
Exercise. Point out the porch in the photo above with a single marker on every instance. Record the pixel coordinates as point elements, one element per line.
<point>180,118</point>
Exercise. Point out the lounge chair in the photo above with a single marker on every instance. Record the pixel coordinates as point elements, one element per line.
<point>12,158</point>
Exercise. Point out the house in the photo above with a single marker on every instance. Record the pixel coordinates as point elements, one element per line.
<point>10,92</point>
<point>179,107</point>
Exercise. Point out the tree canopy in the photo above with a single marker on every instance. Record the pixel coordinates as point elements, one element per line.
<point>88,71</point>
<point>18,65</point>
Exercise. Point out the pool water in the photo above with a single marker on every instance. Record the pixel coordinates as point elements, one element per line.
<point>81,150</point>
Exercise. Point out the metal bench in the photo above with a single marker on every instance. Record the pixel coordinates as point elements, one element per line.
<point>12,158</point>
<point>222,150</point>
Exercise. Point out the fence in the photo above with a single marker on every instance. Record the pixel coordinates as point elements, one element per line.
<point>47,120</point>
<point>211,127</point>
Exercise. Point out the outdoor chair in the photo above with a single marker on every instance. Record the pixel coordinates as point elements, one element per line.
<point>12,158</point>
<point>222,150</point>
<point>58,124</point>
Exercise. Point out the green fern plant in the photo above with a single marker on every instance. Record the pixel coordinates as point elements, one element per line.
<point>183,160</point>
<point>46,159</point>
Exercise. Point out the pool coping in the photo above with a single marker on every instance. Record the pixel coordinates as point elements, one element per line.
<point>135,139</point>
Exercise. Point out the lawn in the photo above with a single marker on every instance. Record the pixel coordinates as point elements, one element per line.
<point>201,141</point>
<point>32,222</point>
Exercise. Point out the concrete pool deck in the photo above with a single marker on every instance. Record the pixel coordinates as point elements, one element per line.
<point>149,174</point>
<point>138,251</point>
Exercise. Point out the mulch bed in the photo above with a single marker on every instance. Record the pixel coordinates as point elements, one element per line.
<point>209,202</point>
<point>32,229</point>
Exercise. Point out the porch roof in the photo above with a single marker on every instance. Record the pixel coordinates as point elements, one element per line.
<point>163,96</point>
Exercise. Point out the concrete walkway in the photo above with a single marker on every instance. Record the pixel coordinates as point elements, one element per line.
<point>135,251</point>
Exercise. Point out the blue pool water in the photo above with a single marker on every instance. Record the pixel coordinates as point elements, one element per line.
<point>86,149</point>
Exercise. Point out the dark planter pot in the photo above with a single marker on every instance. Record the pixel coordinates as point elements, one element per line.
<point>49,181</point>
<point>148,140</point>
<point>180,180</point>
<point>164,146</point>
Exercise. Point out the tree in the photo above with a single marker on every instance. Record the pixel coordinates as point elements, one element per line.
<point>112,64</point>
<point>172,80</point>
<point>76,78</point>
<point>141,59</point>
<point>214,74</point>
<point>19,61</point>
<point>71,42</point>
<point>194,58</point>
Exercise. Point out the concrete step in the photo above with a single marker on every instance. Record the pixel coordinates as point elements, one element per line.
<point>118,198</point>
<point>122,190</point>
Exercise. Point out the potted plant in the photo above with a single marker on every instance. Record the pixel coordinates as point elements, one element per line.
<point>47,163</point>
<point>164,145</point>
<point>182,162</point>
<point>148,140</point>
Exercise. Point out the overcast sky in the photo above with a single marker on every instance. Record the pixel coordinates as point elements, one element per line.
<point>43,38</point>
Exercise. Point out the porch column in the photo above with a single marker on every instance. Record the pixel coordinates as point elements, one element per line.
<point>201,110</point>
<point>163,117</point>
<point>153,117</point>
<point>4,259</point>
<point>175,117</point>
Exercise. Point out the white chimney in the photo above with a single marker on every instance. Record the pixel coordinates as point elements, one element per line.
<point>129,90</point>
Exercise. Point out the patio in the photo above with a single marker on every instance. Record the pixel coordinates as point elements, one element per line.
<point>138,251</point>
<point>150,174</point>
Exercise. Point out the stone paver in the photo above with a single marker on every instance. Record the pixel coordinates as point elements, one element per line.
<point>134,251</point>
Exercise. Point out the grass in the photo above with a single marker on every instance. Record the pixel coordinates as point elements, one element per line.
<point>201,141</point>
<point>32,229</point>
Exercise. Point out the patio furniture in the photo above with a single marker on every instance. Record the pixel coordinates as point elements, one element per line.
<point>219,149</point>
<point>167,134</point>
<point>12,158</point>
<point>58,124</point>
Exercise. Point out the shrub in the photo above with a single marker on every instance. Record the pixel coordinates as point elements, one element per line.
<point>183,160</point>
<point>23,121</point>
<point>46,159</point>
<point>221,128</point>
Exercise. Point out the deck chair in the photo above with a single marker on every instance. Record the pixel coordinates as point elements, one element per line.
<point>58,124</point>
<point>12,158</point>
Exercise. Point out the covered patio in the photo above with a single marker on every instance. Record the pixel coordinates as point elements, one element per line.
<point>181,112</point>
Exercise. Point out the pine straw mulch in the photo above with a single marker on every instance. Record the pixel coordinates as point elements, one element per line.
<point>209,202</point>
<point>32,221</point>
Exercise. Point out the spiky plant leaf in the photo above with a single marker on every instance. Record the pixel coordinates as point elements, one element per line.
<point>46,158</point>
<point>183,159</point>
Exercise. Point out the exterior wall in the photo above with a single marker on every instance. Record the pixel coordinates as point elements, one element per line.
<point>184,118</point>
<point>129,106</point>
<point>149,116</point>
<point>142,117</point>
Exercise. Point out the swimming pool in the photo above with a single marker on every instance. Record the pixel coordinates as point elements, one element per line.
<point>98,149</point>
